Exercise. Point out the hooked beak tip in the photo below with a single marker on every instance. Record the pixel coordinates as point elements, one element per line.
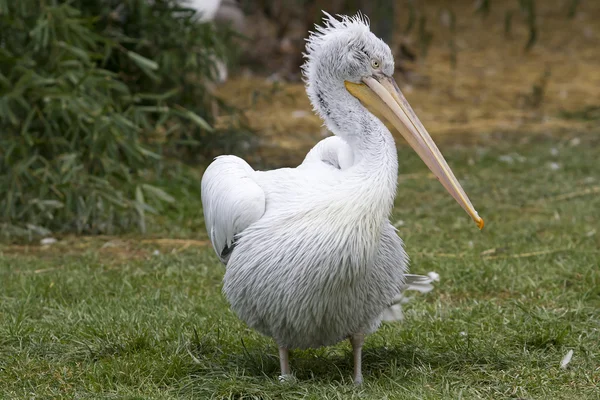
<point>479,222</point>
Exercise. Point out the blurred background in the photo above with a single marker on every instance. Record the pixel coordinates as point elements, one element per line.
<point>111,109</point>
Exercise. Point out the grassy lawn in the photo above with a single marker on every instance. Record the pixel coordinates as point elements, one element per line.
<point>115,318</point>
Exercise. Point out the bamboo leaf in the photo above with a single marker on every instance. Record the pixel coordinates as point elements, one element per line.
<point>159,193</point>
<point>139,206</point>
<point>198,120</point>
<point>142,61</point>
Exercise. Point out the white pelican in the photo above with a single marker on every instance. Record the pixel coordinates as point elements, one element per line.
<point>311,257</point>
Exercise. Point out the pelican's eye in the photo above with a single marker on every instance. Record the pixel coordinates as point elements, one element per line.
<point>375,64</point>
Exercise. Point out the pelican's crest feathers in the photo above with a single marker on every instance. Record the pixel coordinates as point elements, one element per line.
<point>351,26</point>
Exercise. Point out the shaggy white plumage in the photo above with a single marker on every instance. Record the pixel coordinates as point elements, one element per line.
<point>311,257</point>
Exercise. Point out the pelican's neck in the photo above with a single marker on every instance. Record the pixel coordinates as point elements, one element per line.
<point>372,143</point>
<point>375,155</point>
<point>375,162</point>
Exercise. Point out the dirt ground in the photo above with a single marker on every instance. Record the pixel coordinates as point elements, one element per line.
<point>494,86</point>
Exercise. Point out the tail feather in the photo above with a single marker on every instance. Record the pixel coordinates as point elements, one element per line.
<point>418,283</point>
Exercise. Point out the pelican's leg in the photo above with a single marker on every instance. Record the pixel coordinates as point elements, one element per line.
<point>284,362</point>
<point>357,344</point>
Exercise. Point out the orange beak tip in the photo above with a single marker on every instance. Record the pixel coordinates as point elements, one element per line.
<point>480,223</point>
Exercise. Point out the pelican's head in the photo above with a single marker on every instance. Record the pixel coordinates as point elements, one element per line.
<point>346,62</point>
<point>345,50</point>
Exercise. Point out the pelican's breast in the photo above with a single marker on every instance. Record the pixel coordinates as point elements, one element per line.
<point>307,271</point>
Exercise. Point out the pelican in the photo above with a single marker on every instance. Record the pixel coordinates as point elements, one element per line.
<point>311,257</point>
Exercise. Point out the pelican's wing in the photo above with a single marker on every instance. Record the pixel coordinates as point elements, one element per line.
<point>333,151</point>
<point>232,201</point>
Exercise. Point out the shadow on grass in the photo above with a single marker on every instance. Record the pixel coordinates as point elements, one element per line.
<point>335,365</point>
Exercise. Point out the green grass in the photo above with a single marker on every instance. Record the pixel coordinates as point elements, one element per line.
<point>512,300</point>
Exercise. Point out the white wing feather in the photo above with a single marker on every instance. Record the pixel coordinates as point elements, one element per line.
<point>332,150</point>
<point>232,200</point>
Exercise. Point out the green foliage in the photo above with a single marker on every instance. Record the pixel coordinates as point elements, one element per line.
<point>528,9</point>
<point>483,7</point>
<point>425,36</point>
<point>412,16</point>
<point>91,93</point>
<point>573,4</point>
<point>588,113</point>
<point>508,23</point>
